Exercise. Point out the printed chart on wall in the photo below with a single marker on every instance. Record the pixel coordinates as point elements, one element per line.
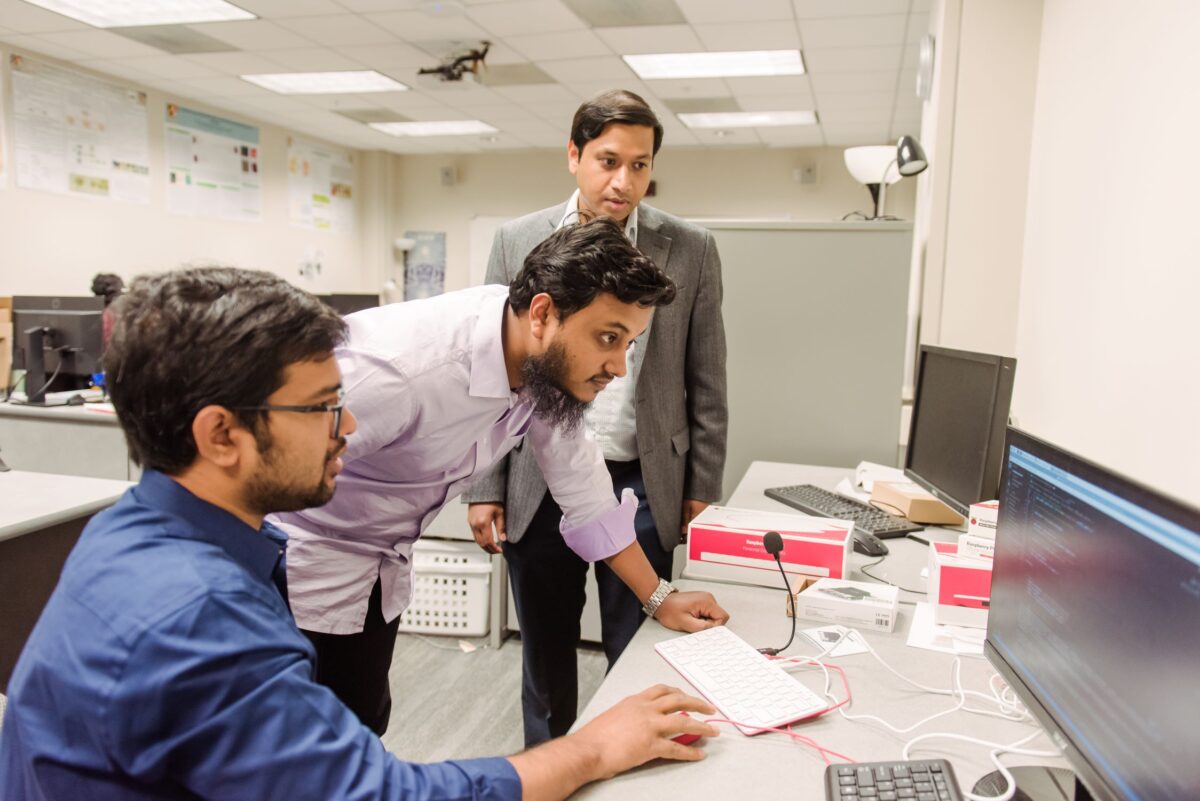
<point>320,187</point>
<point>75,134</point>
<point>212,166</point>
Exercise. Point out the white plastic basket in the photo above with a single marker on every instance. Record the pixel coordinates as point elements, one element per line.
<point>451,582</point>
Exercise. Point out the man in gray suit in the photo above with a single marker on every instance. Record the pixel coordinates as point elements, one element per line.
<point>662,426</point>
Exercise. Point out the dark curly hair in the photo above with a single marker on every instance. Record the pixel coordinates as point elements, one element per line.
<point>206,336</point>
<point>614,106</point>
<point>579,262</point>
<point>108,286</point>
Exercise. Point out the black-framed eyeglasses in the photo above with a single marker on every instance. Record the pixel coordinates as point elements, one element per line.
<point>335,409</point>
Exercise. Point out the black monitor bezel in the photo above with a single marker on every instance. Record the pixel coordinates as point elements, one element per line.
<point>1165,506</point>
<point>1005,371</point>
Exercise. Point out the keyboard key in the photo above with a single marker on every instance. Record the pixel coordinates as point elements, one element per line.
<point>927,780</point>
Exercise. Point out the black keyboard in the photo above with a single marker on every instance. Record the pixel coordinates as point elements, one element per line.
<point>915,780</point>
<point>823,503</point>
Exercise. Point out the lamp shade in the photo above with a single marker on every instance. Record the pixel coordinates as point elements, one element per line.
<point>867,163</point>
<point>910,157</point>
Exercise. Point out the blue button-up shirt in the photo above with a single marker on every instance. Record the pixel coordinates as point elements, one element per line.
<point>166,665</point>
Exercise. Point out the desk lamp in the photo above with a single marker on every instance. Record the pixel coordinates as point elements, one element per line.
<point>876,166</point>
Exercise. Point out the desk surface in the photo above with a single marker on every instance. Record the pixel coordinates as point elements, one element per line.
<point>98,413</point>
<point>32,501</point>
<point>771,765</point>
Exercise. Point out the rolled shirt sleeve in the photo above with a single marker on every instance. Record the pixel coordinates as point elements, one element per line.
<point>594,525</point>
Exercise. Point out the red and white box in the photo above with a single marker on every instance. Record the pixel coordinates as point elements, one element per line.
<point>976,547</point>
<point>960,587</point>
<point>982,520</point>
<point>727,545</point>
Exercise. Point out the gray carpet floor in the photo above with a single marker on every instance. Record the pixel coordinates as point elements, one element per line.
<point>447,704</point>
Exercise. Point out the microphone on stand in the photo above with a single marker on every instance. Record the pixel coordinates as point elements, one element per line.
<point>773,544</point>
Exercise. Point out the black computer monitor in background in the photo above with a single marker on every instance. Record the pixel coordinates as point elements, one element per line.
<point>346,304</point>
<point>1095,622</point>
<point>956,436</point>
<point>58,342</point>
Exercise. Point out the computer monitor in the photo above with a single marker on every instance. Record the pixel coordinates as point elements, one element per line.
<point>57,341</point>
<point>349,304</point>
<point>1095,621</point>
<point>956,436</point>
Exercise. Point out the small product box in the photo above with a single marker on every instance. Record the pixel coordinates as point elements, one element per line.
<point>976,547</point>
<point>913,503</point>
<point>727,545</point>
<point>982,522</point>
<point>853,603</point>
<point>960,587</point>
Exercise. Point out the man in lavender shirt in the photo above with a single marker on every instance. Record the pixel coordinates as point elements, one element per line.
<point>443,389</point>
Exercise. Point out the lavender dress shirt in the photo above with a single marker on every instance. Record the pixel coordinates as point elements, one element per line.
<point>428,385</point>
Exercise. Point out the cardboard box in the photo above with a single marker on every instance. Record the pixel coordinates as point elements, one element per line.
<point>960,587</point>
<point>913,503</point>
<point>975,547</point>
<point>982,522</point>
<point>727,545</point>
<point>6,352</point>
<point>6,313</point>
<point>852,603</point>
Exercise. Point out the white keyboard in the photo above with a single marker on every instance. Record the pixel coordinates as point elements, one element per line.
<point>739,681</point>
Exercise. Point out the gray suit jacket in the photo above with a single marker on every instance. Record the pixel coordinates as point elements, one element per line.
<point>681,411</point>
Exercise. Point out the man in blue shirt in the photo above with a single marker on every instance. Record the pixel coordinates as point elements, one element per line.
<point>166,664</point>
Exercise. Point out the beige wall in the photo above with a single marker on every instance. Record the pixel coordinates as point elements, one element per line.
<point>1107,330</point>
<point>979,130</point>
<point>751,184</point>
<point>54,244</point>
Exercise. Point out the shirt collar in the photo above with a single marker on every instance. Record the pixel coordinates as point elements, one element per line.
<point>257,551</point>
<point>489,373</point>
<point>571,215</point>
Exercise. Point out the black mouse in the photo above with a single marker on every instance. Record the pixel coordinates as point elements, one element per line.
<point>869,544</point>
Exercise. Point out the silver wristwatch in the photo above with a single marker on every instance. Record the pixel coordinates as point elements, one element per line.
<point>659,595</point>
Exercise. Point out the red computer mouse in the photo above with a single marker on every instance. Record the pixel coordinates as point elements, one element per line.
<point>686,739</point>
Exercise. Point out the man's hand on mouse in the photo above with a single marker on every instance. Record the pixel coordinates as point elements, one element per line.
<point>691,611</point>
<point>640,727</point>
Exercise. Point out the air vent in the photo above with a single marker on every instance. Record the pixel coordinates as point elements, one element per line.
<point>175,39</point>
<point>622,13</point>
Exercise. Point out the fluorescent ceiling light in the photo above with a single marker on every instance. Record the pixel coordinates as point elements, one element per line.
<point>739,64</point>
<point>326,83</point>
<point>131,13</point>
<point>748,119</point>
<point>436,128</point>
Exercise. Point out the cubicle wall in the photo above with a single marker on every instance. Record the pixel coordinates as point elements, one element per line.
<point>815,315</point>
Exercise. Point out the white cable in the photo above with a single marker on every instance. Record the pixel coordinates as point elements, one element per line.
<point>1013,748</point>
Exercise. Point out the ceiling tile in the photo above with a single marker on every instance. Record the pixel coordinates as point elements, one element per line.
<point>854,101</point>
<point>882,115</point>
<point>856,134</point>
<point>809,9</point>
<point>558,114</point>
<point>773,85</point>
<point>387,56</point>
<point>853,59</point>
<point>477,98</point>
<point>371,6</point>
<point>525,17</point>
<point>339,30</point>
<point>598,68</point>
<point>701,105</point>
<point>547,141</point>
<point>795,101</point>
<point>514,75</point>
<point>879,81</point>
<point>271,9</point>
<point>809,136</point>
<point>314,59</point>
<point>726,137</point>
<point>551,46</point>
<point>702,11</point>
<point>609,14</point>
<point>24,18</point>
<point>235,63</point>
<point>405,102</point>
<point>651,39</point>
<point>541,93</point>
<point>853,31</point>
<point>218,87</point>
<point>252,34</point>
<point>584,90</point>
<point>415,26</point>
<point>115,70</point>
<point>169,67</point>
<point>95,43</point>
<point>690,87</point>
<point>35,46</point>
<point>911,55</point>
<point>748,36</point>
